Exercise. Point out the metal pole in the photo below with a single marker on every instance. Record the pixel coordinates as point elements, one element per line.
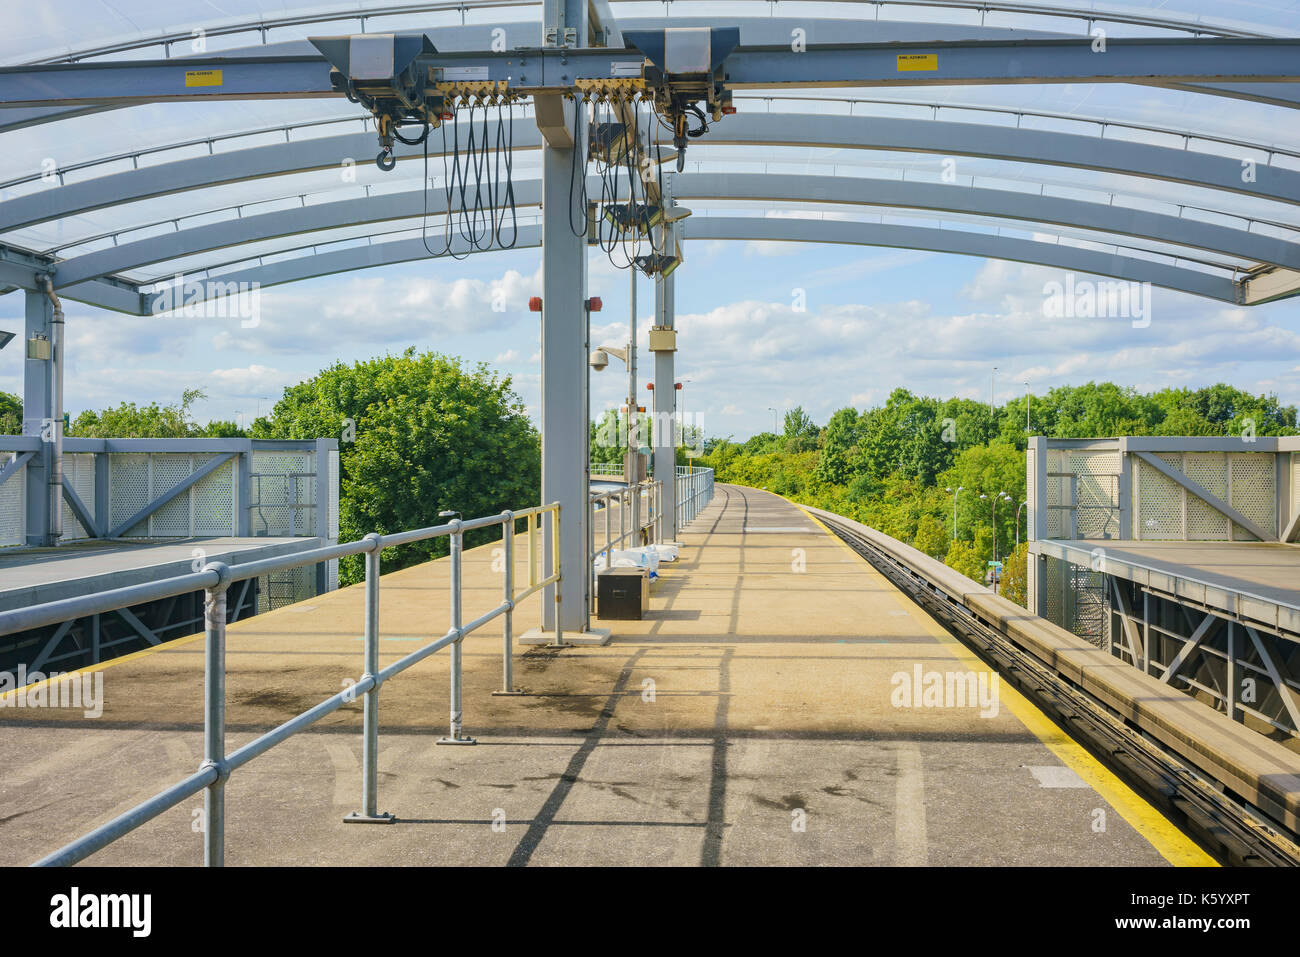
<point>369,813</point>
<point>559,570</point>
<point>214,716</point>
<point>508,594</point>
<point>455,737</point>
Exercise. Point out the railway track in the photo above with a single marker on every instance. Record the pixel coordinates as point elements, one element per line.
<point>1233,830</point>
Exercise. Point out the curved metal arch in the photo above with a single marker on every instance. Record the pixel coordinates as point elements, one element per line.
<point>754,31</point>
<point>975,201</point>
<point>982,245</point>
<point>914,136</point>
<point>1088,15</point>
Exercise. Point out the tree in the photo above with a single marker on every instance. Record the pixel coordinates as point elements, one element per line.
<point>931,537</point>
<point>1015,576</point>
<point>11,414</point>
<point>839,441</point>
<point>129,421</point>
<point>800,431</point>
<point>428,434</point>
<point>962,558</point>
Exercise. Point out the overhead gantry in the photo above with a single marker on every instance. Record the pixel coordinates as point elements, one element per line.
<point>1233,238</point>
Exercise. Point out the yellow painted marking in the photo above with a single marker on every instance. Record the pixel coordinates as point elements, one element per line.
<point>918,62</point>
<point>1162,834</point>
<point>203,78</point>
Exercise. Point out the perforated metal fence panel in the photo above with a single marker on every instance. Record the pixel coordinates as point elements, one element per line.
<point>13,504</point>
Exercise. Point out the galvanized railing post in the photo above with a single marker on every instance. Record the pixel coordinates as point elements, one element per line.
<point>455,737</point>
<point>214,716</point>
<point>369,813</point>
<point>559,573</point>
<point>508,594</point>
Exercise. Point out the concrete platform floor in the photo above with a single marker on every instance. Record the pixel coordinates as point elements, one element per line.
<point>747,720</point>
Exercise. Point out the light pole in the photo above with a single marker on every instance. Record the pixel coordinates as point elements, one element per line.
<point>959,488</point>
<point>1028,428</point>
<point>773,411</point>
<point>1022,505</point>
<point>1006,498</point>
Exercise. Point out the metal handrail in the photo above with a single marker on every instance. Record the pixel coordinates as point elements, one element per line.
<point>215,579</point>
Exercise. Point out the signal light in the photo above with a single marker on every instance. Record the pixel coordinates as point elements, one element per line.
<point>594,304</point>
<point>535,304</point>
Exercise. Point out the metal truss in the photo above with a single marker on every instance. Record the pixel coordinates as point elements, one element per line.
<point>1237,666</point>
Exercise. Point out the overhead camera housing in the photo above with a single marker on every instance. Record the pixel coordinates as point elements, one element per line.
<point>598,359</point>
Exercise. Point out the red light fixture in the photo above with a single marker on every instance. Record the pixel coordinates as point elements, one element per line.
<point>677,386</point>
<point>535,304</point>
<point>594,304</point>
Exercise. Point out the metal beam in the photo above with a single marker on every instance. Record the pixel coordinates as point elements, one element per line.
<point>984,140</point>
<point>79,509</point>
<point>11,468</point>
<point>985,245</point>
<point>1201,492</point>
<point>1284,690</point>
<point>1000,203</point>
<point>204,470</point>
<point>945,63</point>
<point>1190,645</point>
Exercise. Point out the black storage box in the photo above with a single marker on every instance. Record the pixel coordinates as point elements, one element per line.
<point>622,593</point>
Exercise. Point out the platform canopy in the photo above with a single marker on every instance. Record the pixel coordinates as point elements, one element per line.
<point>1143,143</point>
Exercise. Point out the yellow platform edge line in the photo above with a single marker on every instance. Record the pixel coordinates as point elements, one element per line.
<point>1161,833</point>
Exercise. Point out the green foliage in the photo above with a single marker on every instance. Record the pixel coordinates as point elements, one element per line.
<point>419,434</point>
<point>932,537</point>
<point>1015,575</point>
<point>889,467</point>
<point>11,414</point>
<point>963,557</point>
<point>129,421</point>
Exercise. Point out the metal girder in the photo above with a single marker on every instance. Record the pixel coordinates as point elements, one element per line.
<point>781,230</point>
<point>11,468</point>
<point>347,260</point>
<point>1010,204</point>
<point>945,63</point>
<point>204,470</point>
<point>1284,690</point>
<point>1204,495</point>
<point>964,243</point>
<point>1201,632</point>
<point>20,269</point>
<point>766,129</point>
<point>80,511</point>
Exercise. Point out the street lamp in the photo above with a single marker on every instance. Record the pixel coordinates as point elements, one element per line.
<point>1006,498</point>
<point>960,488</point>
<point>773,411</point>
<point>1022,505</point>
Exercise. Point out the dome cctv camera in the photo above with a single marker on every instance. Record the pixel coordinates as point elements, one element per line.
<point>598,359</point>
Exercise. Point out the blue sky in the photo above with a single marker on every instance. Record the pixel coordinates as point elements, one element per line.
<point>875,319</point>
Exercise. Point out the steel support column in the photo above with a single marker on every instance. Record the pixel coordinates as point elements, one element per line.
<point>565,343</point>
<point>665,395</point>
<point>38,410</point>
